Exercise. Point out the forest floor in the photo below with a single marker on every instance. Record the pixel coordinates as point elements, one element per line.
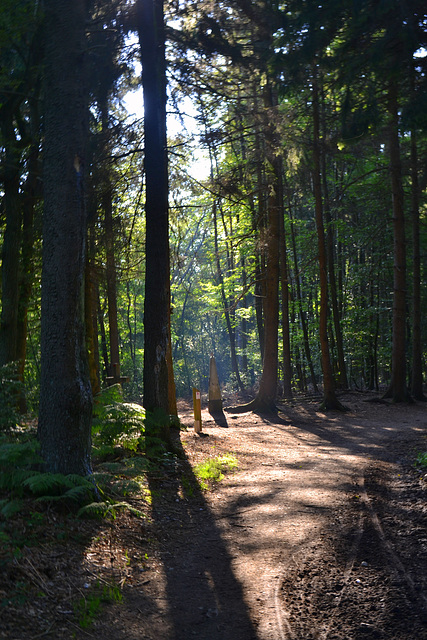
<point>320,533</point>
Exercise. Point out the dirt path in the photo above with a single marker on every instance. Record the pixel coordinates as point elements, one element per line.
<point>309,539</point>
<point>319,535</point>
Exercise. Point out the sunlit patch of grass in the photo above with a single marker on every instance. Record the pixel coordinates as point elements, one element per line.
<point>213,469</point>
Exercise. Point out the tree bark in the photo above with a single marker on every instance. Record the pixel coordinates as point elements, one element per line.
<point>157,276</point>
<point>65,394</point>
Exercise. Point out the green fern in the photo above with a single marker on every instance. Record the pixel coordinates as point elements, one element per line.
<point>107,509</point>
<point>10,507</point>
<point>20,453</point>
<point>13,479</point>
<point>94,510</point>
<point>116,422</point>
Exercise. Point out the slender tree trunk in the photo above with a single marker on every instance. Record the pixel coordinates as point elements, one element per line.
<point>31,194</point>
<point>417,370</point>
<point>286,339</point>
<point>91,324</point>
<point>330,401</point>
<point>11,244</point>
<point>398,390</point>
<point>107,205</point>
<point>243,321</point>
<point>104,350</point>
<point>231,334</point>
<point>342,374</point>
<point>65,393</point>
<point>303,319</point>
<point>265,400</point>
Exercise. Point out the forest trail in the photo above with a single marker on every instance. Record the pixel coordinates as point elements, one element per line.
<point>319,534</point>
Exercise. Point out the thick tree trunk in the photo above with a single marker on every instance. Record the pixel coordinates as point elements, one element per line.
<point>157,276</point>
<point>65,393</point>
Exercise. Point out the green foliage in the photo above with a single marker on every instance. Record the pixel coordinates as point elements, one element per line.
<point>421,460</point>
<point>213,469</point>
<point>107,509</point>
<point>21,478</point>
<point>116,423</point>
<point>10,388</point>
<point>89,607</point>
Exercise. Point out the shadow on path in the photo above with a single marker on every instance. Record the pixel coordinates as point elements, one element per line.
<point>204,598</point>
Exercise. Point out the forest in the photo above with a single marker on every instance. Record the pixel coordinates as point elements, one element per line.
<point>266,204</point>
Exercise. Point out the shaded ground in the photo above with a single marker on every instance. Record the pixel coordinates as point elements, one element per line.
<point>320,534</point>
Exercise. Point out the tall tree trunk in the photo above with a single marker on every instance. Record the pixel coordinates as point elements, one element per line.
<point>417,369</point>
<point>265,400</point>
<point>104,350</point>
<point>342,373</point>
<point>30,196</point>
<point>11,243</point>
<point>231,334</point>
<point>398,390</point>
<point>330,401</point>
<point>303,319</point>
<point>267,393</point>
<point>157,282</point>
<point>65,392</point>
<point>286,339</point>
<point>91,323</point>
<point>107,205</point>
<point>110,258</point>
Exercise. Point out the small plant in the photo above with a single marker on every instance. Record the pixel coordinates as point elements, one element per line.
<point>88,607</point>
<point>20,478</point>
<point>187,487</point>
<point>421,460</point>
<point>213,469</point>
<point>116,423</point>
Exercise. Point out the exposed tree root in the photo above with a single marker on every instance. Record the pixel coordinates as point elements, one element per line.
<point>257,405</point>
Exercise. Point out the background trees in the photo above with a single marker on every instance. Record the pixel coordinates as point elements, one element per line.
<point>302,117</point>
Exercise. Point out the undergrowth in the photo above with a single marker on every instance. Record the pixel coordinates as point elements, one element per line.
<point>119,454</point>
<point>10,389</point>
<point>421,460</point>
<point>89,607</point>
